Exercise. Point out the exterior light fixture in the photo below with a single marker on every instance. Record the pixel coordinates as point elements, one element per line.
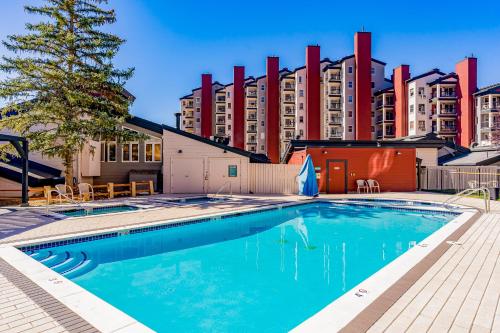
<point>180,151</point>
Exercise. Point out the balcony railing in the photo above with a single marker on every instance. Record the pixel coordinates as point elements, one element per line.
<point>448,111</point>
<point>289,112</point>
<point>335,121</point>
<point>335,135</point>
<point>448,129</point>
<point>252,94</point>
<point>444,93</point>
<point>494,106</point>
<point>289,99</point>
<point>221,99</point>
<point>289,86</point>
<point>334,92</point>
<point>334,77</point>
<point>252,116</point>
<point>251,105</point>
<point>220,121</point>
<point>335,107</point>
<point>252,129</point>
<point>221,109</point>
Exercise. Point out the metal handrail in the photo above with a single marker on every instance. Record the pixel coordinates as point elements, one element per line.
<point>222,187</point>
<point>484,190</point>
<point>72,201</point>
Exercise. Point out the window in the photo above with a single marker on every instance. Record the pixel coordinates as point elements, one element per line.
<point>373,129</point>
<point>198,109</point>
<point>421,108</point>
<point>262,99</point>
<point>421,92</point>
<point>103,152</point>
<point>373,85</point>
<point>412,108</point>
<point>228,94</point>
<point>130,152</point>
<point>373,114</point>
<point>350,99</point>
<point>349,84</point>
<point>421,125</point>
<point>228,105</point>
<point>262,147</point>
<point>301,106</point>
<point>301,119</point>
<point>373,99</point>
<point>228,127</point>
<point>153,152</point>
<point>412,92</point>
<point>349,70</point>
<point>197,120</point>
<point>412,125</point>
<point>262,87</point>
<point>112,152</point>
<point>198,100</point>
<point>301,93</point>
<point>350,129</point>
<point>373,70</point>
<point>350,114</point>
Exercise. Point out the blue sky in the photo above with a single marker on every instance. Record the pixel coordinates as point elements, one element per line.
<point>170,43</point>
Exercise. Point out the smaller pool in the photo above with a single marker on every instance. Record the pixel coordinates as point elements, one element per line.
<point>79,212</point>
<point>389,202</point>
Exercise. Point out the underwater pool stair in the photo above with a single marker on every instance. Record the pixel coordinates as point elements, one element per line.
<point>68,264</point>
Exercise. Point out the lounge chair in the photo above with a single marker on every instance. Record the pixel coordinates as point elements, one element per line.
<point>65,191</point>
<point>374,185</point>
<point>362,185</point>
<point>85,191</point>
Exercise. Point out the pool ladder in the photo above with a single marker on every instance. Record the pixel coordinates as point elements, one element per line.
<point>483,190</point>
<point>72,201</point>
<point>223,187</point>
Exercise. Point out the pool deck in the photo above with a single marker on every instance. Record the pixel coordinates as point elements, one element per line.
<point>458,291</point>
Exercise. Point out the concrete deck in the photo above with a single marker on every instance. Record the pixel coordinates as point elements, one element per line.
<point>459,292</point>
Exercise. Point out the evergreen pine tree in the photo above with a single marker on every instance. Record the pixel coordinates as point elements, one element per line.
<point>62,89</point>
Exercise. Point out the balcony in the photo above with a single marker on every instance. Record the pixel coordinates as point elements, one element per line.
<point>221,132</point>
<point>448,112</point>
<point>335,78</point>
<point>289,124</point>
<point>252,117</point>
<point>336,121</point>
<point>335,135</point>
<point>252,106</point>
<point>335,107</point>
<point>289,99</point>
<point>251,142</point>
<point>334,92</point>
<point>220,121</point>
<point>220,109</point>
<point>189,115</point>
<point>447,129</point>
<point>289,112</point>
<point>252,94</point>
<point>220,99</point>
<point>289,86</point>
<point>488,108</point>
<point>252,129</point>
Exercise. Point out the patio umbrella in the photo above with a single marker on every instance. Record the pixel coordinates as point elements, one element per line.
<point>308,185</point>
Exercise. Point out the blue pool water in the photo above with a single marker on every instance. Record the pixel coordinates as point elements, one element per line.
<point>261,272</point>
<point>97,211</point>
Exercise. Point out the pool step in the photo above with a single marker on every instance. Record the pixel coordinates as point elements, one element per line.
<point>68,264</point>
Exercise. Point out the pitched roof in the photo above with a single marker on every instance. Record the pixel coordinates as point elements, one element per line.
<point>485,157</point>
<point>144,123</point>
<point>491,89</point>
<point>254,158</point>
<point>431,72</point>
<point>443,79</point>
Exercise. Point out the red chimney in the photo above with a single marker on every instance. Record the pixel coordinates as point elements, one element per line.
<point>206,105</point>
<point>273,109</point>
<point>363,60</point>
<point>239,107</point>
<point>313,93</point>
<point>467,85</point>
<point>399,77</point>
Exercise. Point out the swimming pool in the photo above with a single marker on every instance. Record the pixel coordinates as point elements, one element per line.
<point>79,212</point>
<point>258,272</point>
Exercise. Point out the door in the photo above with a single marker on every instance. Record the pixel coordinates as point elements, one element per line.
<point>337,176</point>
<point>187,175</point>
<point>222,171</point>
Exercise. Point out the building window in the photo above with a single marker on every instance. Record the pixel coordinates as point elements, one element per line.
<point>349,70</point>
<point>349,84</point>
<point>412,92</point>
<point>262,99</point>
<point>103,151</point>
<point>373,99</point>
<point>262,87</point>
<point>301,119</point>
<point>228,105</point>
<point>373,129</point>
<point>262,147</point>
<point>198,109</point>
<point>232,171</point>
<point>262,123</point>
<point>412,125</point>
<point>197,120</point>
<point>112,152</point>
<point>301,93</point>
<point>300,79</point>
<point>350,114</point>
<point>301,132</point>
<point>421,108</point>
<point>153,152</point>
<point>130,152</point>
<point>350,99</point>
<point>229,116</point>
<point>228,127</point>
<point>412,108</point>
<point>301,106</point>
<point>350,128</point>
<point>373,70</point>
<point>228,94</point>
<point>421,92</point>
<point>197,99</point>
<point>373,114</point>
<point>421,125</point>
<point>373,85</point>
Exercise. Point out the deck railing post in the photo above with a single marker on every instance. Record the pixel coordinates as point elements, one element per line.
<point>47,193</point>
<point>133,189</point>
<point>111,190</point>
<point>151,187</point>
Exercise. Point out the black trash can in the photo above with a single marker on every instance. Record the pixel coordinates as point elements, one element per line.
<point>494,193</point>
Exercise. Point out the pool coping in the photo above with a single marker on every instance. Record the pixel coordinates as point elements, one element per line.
<point>359,308</point>
<point>95,317</point>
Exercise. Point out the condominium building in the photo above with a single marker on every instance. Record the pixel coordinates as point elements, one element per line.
<point>324,99</point>
<point>487,104</point>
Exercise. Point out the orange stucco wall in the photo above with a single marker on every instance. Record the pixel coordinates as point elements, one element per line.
<point>393,168</point>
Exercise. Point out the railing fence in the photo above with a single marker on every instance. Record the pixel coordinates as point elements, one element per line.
<point>448,178</point>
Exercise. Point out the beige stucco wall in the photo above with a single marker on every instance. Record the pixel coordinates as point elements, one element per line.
<point>429,156</point>
<point>7,186</point>
<point>199,167</point>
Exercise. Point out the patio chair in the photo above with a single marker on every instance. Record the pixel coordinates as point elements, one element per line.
<point>374,185</point>
<point>85,190</point>
<point>64,190</point>
<point>362,185</point>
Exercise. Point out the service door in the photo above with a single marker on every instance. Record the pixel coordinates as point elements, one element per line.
<point>337,176</point>
<point>187,175</point>
<point>222,171</point>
